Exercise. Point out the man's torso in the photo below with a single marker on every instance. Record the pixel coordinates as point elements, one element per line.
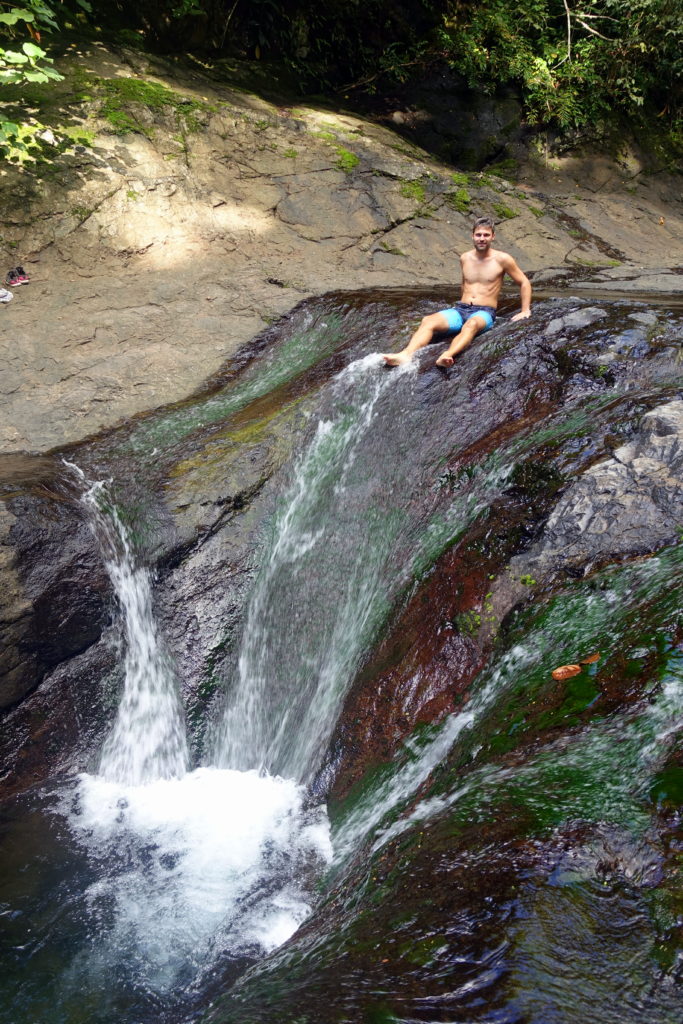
<point>482,279</point>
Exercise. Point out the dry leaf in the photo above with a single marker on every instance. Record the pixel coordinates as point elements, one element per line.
<point>591,658</point>
<point>566,671</point>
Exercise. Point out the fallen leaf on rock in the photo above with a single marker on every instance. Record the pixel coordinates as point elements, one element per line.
<point>591,658</point>
<point>566,671</point>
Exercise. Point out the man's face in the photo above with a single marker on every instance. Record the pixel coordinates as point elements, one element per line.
<point>482,238</point>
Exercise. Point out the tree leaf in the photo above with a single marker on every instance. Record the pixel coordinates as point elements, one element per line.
<point>566,671</point>
<point>24,14</point>
<point>31,50</point>
<point>12,57</point>
<point>15,15</point>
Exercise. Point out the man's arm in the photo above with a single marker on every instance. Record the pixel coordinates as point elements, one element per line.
<point>524,283</point>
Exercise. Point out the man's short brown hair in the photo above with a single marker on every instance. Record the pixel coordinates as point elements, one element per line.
<point>484,222</point>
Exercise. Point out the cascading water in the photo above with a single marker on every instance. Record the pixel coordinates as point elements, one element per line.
<point>181,881</point>
<point>148,740</point>
<point>318,596</point>
<point>161,883</point>
<point>350,533</point>
<point>191,864</point>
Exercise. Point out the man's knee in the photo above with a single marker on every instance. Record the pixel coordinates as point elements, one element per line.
<point>474,324</point>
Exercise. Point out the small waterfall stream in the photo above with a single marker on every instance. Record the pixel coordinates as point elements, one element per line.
<point>320,594</point>
<point>147,741</point>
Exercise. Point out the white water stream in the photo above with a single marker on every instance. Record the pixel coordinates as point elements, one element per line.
<point>148,740</point>
<point>321,592</point>
<point>191,863</point>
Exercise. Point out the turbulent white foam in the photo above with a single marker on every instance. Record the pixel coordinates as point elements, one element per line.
<point>218,861</point>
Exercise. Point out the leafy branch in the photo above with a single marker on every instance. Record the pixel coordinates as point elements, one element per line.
<point>25,62</point>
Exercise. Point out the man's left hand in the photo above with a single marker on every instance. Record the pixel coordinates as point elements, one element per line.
<point>521,316</point>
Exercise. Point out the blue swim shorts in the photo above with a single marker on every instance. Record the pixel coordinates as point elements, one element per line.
<point>463,311</point>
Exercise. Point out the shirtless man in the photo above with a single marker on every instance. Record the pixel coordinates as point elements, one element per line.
<point>483,270</point>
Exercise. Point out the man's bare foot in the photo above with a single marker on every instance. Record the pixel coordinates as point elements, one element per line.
<point>445,359</point>
<point>396,358</point>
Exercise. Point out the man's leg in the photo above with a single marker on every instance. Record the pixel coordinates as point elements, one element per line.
<point>429,326</point>
<point>469,331</point>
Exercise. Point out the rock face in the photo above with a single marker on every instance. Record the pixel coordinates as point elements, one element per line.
<point>593,477</point>
<point>197,213</point>
<point>622,506</point>
<point>468,130</point>
<point>547,459</point>
<point>56,591</point>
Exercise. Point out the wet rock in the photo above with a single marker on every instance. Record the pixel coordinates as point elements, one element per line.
<point>60,726</point>
<point>214,493</point>
<point>55,593</point>
<point>577,319</point>
<point>18,672</point>
<point>629,504</point>
<point>632,343</point>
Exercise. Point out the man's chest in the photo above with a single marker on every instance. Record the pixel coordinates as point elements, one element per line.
<point>485,272</point>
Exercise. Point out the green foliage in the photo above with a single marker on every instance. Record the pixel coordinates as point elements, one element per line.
<point>503,211</point>
<point>413,190</point>
<point>467,623</point>
<point>24,63</point>
<point>123,94</point>
<point>81,213</point>
<point>346,160</point>
<point>503,168</point>
<point>391,249</point>
<point>460,200</point>
<point>576,65</point>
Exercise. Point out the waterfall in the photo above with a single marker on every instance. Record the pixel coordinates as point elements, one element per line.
<point>147,741</point>
<point>189,863</point>
<point>352,529</point>
<point>322,590</point>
